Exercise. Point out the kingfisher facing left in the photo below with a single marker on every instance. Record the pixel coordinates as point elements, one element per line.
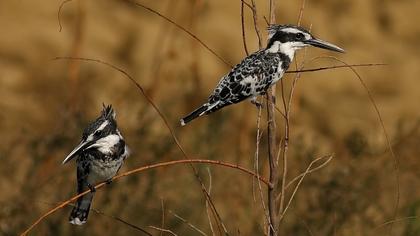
<point>258,71</point>
<point>100,155</point>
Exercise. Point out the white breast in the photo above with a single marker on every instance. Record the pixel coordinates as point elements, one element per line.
<point>101,171</point>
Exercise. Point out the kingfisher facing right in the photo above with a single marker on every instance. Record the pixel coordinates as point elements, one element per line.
<point>258,71</point>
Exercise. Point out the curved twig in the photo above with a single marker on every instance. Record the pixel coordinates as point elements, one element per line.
<point>243,28</point>
<point>96,211</point>
<point>391,150</point>
<point>163,230</point>
<point>181,28</point>
<point>141,169</point>
<point>336,67</point>
<point>396,220</point>
<point>257,30</point>
<point>139,229</point>
<point>150,101</point>
<point>301,177</point>
<point>308,171</point>
<point>59,13</point>
<point>165,18</point>
<point>188,223</point>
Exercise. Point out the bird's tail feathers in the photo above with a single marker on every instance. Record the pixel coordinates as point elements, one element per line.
<point>198,112</point>
<point>80,212</point>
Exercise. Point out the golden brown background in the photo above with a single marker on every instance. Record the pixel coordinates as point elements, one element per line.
<point>45,104</point>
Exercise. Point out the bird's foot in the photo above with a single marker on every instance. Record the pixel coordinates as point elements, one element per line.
<point>258,104</point>
<point>108,181</point>
<point>92,188</point>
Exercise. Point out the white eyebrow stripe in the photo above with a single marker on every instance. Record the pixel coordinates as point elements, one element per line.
<point>291,30</point>
<point>102,126</point>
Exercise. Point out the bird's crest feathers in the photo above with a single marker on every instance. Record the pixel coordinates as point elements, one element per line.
<point>108,112</point>
<point>272,28</point>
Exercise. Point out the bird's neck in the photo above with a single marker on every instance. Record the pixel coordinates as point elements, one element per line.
<point>107,145</point>
<point>284,48</point>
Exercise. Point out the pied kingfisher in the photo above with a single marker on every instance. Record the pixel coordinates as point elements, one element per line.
<point>258,71</point>
<point>100,155</point>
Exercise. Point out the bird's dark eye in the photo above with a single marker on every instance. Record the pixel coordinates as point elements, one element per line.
<point>300,36</point>
<point>98,132</point>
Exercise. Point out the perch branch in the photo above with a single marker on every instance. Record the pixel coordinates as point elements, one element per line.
<point>141,169</point>
<point>150,101</point>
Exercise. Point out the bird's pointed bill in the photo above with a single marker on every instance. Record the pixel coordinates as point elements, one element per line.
<point>325,45</point>
<point>75,151</point>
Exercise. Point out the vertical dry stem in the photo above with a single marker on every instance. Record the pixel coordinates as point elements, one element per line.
<point>272,149</point>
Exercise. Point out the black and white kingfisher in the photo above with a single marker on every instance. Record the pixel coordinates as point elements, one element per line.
<point>258,71</point>
<point>100,155</point>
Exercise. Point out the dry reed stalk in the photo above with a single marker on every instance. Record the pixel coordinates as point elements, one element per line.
<point>272,147</point>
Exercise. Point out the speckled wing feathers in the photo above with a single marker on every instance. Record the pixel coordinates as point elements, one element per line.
<point>252,77</point>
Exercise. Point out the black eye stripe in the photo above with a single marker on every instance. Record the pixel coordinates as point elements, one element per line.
<point>300,36</point>
<point>283,37</point>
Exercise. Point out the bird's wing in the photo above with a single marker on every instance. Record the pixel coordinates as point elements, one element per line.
<point>83,169</point>
<point>244,80</point>
<point>80,212</point>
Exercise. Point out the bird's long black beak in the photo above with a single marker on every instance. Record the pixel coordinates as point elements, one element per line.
<point>325,45</point>
<point>73,153</point>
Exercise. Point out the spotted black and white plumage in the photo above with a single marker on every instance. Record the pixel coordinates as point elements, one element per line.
<point>258,71</point>
<point>100,155</point>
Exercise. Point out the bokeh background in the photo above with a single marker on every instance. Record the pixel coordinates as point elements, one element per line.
<point>45,105</point>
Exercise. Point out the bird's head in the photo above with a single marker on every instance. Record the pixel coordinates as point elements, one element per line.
<point>289,38</point>
<point>101,135</point>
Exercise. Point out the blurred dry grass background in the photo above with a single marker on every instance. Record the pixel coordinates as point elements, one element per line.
<point>45,104</point>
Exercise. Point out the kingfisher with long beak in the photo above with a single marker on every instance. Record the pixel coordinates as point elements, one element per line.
<point>99,156</point>
<point>260,70</point>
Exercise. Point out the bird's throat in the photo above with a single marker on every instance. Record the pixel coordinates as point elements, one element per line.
<point>284,48</point>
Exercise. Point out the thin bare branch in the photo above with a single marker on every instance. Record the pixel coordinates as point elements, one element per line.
<point>396,220</point>
<point>59,13</point>
<point>300,181</point>
<point>307,228</point>
<point>150,101</point>
<point>163,215</point>
<point>284,147</point>
<point>272,146</point>
<point>301,10</point>
<point>209,192</point>
<point>243,27</point>
<point>257,30</point>
<point>266,21</point>
<point>187,223</point>
<point>207,206</point>
<point>256,168</point>
<point>336,67</point>
<point>309,171</point>
<point>288,110</point>
<point>96,211</point>
<point>137,170</point>
<point>247,4</point>
<point>391,150</point>
<point>160,47</point>
<point>122,221</point>
<point>163,230</point>
<point>181,28</point>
